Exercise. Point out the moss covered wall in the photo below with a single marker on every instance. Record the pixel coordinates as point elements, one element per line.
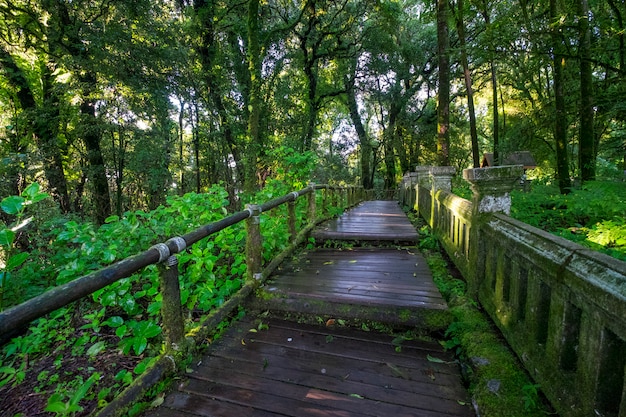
<point>561,307</point>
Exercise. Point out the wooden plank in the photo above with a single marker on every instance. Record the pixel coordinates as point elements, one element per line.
<point>371,220</point>
<point>389,277</point>
<point>292,369</point>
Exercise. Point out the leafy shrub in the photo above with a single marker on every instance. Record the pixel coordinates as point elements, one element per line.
<point>592,216</point>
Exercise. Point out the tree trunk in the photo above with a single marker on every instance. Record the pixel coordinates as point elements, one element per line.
<point>366,148</point>
<point>468,84</point>
<point>586,149</point>
<point>560,129</point>
<point>204,11</point>
<point>42,124</point>
<point>91,136</point>
<point>620,35</point>
<point>390,147</point>
<point>443,105</point>
<point>494,93</point>
<point>254,118</point>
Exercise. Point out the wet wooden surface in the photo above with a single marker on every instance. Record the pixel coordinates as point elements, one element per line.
<point>395,278</point>
<point>272,367</point>
<point>369,221</point>
<point>287,369</point>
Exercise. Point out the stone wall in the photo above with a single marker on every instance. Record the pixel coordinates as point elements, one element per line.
<point>561,307</point>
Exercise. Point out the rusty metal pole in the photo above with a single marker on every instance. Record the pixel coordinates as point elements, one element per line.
<point>254,244</point>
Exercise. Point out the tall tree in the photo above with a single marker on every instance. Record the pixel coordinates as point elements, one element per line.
<point>560,122</point>
<point>443,93</point>
<point>586,152</point>
<point>467,77</point>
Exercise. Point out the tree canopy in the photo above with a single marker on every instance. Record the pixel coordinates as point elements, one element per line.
<point>115,105</point>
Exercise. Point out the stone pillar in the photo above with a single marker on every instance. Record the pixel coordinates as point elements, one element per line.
<point>422,179</point>
<point>492,187</point>
<point>441,180</point>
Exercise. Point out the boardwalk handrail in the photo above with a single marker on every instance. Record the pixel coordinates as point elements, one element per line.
<point>16,317</point>
<point>560,306</point>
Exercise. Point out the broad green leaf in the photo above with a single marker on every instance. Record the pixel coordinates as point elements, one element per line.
<point>17,260</point>
<point>7,236</point>
<point>57,407</point>
<point>140,344</point>
<point>115,321</point>
<point>31,190</point>
<point>12,205</point>
<point>33,194</point>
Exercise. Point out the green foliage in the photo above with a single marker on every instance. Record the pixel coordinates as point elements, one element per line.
<point>71,406</point>
<point>592,216</point>
<point>123,320</point>
<point>10,256</point>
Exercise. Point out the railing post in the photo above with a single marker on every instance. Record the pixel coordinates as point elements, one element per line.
<point>291,218</point>
<point>312,209</point>
<point>171,308</point>
<point>254,244</point>
<point>422,186</point>
<point>325,201</point>
<point>441,179</point>
<point>491,189</point>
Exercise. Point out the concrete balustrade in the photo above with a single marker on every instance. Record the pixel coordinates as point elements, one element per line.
<point>561,306</point>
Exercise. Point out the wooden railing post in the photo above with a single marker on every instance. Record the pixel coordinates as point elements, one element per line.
<point>312,209</point>
<point>325,201</point>
<point>171,308</point>
<point>254,246</point>
<point>291,218</point>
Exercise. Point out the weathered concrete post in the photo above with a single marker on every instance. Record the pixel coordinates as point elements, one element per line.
<point>311,212</point>
<point>441,179</point>
<point>491,188</point>
<point>254,246</point>
<point>423,183</point>
<point>291,219</point>
<point>171,308</point>
<point>169,285</point>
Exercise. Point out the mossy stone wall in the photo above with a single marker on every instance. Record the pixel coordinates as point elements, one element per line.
<point>561,307</point>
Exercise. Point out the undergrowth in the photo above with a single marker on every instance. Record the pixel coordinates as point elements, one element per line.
<point>80,357</point>
<point>593,216</point>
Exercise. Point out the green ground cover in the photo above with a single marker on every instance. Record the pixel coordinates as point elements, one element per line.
<point>593,216</point>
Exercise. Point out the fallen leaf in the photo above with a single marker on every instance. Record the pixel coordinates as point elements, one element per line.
<point>353,262</point>
<point>158,401</point>
<point>356,396</point>
<point>434,360</point>
<point>329,263</point>
<point>330,322</point>
<point>396,371</point>
<point>243,342</point>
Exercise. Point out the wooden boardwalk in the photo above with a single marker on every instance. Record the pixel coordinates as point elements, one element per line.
<point>370,221</point>
<point>272,367</point>
<point>290,369</point>
<point>389,285</point>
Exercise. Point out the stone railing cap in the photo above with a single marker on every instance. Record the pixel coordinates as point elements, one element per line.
<point>443,171</point>
<point>493,173</point>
